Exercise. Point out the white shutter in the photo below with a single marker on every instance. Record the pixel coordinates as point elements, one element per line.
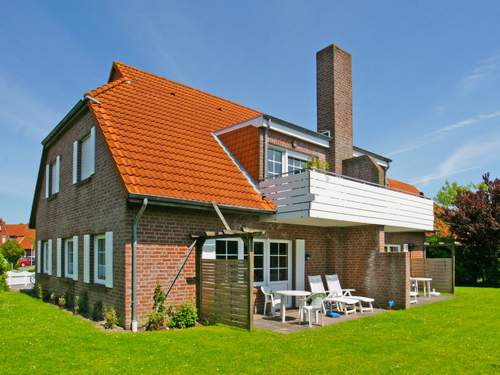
<point>57,173</point>
<point>38,256</point>
<point>75,257</point>
<point>300,257</point>
<point>59,257</point>
<point>75,162</point>
<point>405,247</point>
<point>47,180</point>
<point>49,258</point>
<point>109,259</point>
<point>86,258</point>
<point>92,151</point>
<point>208,251</point>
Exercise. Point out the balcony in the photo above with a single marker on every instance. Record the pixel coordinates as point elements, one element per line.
<point>324,199</point>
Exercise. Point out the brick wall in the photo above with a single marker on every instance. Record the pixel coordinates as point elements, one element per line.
<point>415,238</point>
<point>364,168</point>
<point>334,102</point>
<point>246,145</point>
<point>93,206</point>
<point>358,259</point>
<point>298,145</point>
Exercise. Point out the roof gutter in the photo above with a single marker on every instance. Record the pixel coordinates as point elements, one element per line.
<point>192,204</point>
<point>135,224</point>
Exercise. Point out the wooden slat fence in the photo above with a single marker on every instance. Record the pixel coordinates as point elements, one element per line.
<point>439,269</point>
<point>224,292</point>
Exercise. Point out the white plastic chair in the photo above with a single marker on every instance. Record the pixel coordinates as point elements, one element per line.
<point>413,291</point>
<point>334,288</point>
<point>269,298</point>
<point>314,304</point>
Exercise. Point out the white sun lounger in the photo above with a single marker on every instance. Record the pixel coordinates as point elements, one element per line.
<point>333,283</point>
<point>345,304</point>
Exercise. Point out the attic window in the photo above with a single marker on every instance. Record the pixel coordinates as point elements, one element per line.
<point>52,173</point>
<point>84,157</point>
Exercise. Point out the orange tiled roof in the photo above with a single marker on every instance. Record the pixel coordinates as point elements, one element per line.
<point>399,185</point>
<point>159,133</point>
<point>23,234</point>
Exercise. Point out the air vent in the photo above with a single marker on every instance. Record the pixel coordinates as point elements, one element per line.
<point>325,132</point>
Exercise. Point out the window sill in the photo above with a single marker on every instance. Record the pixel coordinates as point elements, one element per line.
<point>52,197</point>
<point>84,181</point>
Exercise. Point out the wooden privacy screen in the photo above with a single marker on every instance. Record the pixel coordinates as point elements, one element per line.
<point>224,292</point>
<point>439,269</point>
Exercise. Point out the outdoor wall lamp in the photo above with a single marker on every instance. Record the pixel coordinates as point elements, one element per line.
<point>308,257</point>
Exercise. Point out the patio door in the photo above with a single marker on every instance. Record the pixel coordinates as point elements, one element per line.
<point>279,265</point>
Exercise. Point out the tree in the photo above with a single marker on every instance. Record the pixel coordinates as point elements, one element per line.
<point>448,193</point>
<point>474,220</point>
<point>12,251</point>
<point>4,267</point>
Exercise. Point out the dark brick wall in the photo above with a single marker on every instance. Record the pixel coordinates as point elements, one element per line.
<point>334,102</point>
<point>364,168</point>
<point>93,206</point>
<point>246,145</point>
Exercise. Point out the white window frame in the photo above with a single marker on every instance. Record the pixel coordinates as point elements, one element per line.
<point>69,271</point>
<point>264,262</point>
<point>98,280</point>
<point>285,153</point>
<point>392,248</point>
<point>45,250</point>
<point>83,155</point>
<point>289,261</point>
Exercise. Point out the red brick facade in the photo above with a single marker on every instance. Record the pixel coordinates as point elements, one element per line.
<point>285,141</point>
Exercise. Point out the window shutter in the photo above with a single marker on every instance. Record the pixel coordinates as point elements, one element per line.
<point>75,257</point>
<point>57,168</point>
<point>75,162</point>
<point>38,256</point>
<point>49,258</point>
<point>109,259</point>
<point>92,150</point>
<point>59,257</point>
<point>86,258</point>
<point>208,251</point>
<point>47,180</point>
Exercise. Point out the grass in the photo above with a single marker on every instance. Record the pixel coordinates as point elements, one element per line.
<point>456,336</point>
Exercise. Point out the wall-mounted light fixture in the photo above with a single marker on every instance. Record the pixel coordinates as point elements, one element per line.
<point>308,257</point>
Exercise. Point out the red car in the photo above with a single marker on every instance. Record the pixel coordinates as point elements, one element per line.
<point>25,262</point>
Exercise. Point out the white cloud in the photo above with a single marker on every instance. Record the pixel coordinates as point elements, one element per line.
<point>470,156</point>
<point>484,69</point>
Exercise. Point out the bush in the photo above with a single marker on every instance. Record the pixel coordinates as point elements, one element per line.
<point>52,297</point>
<point>12,251</point>
<point>38,291</point>
<point>70,300</point>
<point>185,316</point>
<point>98,311</point>
<point>4,267</point>
<point>156,321</point>
<point>110,318</point>
<point>62,300</point>
<point>83,304</point>
<point>317,164</point>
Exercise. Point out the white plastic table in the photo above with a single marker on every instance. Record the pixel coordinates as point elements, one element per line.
<point>289,293</point>
<point>426,281</point>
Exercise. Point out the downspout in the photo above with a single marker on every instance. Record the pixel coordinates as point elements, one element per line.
<point>265,142</point>
<point>134,256</point>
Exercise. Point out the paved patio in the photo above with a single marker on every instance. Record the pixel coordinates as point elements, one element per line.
<point>292,317</point>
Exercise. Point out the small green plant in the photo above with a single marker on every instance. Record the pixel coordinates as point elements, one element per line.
<point>38,290</point>
<point>185,316</point>
<point>76,307</point>
<point>110,318</point>
<point>98,311</point>
<point>317,164</point>
<point>83,304</point>
<point>53,297</point>
<point>157,318</point>
<point>70,300</point>
<point>62,300</point>
<point>4,267</point>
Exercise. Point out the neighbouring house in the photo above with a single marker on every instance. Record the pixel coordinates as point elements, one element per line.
<point>22,234</point>
<point>144,163</point>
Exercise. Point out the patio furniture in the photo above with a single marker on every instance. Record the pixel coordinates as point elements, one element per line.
<point>333,282</point>
<point>269,298</point>
<point>289,293</point>
<point>315,303</point>
<point>345,304</point>
<point>426,281</point>
<point>413,291</point>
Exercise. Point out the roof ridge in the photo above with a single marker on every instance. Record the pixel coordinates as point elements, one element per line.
<point>118,63</point>
<point>108,86</point>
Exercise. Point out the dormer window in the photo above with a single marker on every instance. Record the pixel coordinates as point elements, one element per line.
<point>282,161</point>
<point>274,163</point>
<point>84,157</point>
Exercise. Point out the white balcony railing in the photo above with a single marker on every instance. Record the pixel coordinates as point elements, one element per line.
<point>317,198</point>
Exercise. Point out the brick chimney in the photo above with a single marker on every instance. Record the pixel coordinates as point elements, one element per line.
<point>334,102</point>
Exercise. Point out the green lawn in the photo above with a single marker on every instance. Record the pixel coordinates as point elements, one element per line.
<point>456,336</point>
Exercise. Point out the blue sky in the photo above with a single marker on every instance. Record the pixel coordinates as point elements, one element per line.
<point>426,74</point>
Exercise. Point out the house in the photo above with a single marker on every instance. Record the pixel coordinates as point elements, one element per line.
<point>142,163</point>
<point>22,234</point>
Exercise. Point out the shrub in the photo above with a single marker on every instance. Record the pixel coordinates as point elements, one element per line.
<point>185,316</point>
<point>83,304</point>
<point>110,318</point>
<point>12,251</point>
<point>156,321</point>
<point>4,267</point>
<point>70,300</point>
<point>52,297</point>
<point>317,163</point>
<point>38,291</point>
<point>62,300</point>
<point>98,311</point>
<point>159,299</point>
<point>76,307</point>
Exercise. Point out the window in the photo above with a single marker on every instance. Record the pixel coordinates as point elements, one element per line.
<point>296,165</point>
<point>69,257</point>
<point>392,248</point>
<point>258,261</point>
<point>278,261</point>
<point>100,259</point>
<point>52,177</point>
<point>274,163</point>
<point>226,249</point>
<point>86,161</point>
<point>45,256</point>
